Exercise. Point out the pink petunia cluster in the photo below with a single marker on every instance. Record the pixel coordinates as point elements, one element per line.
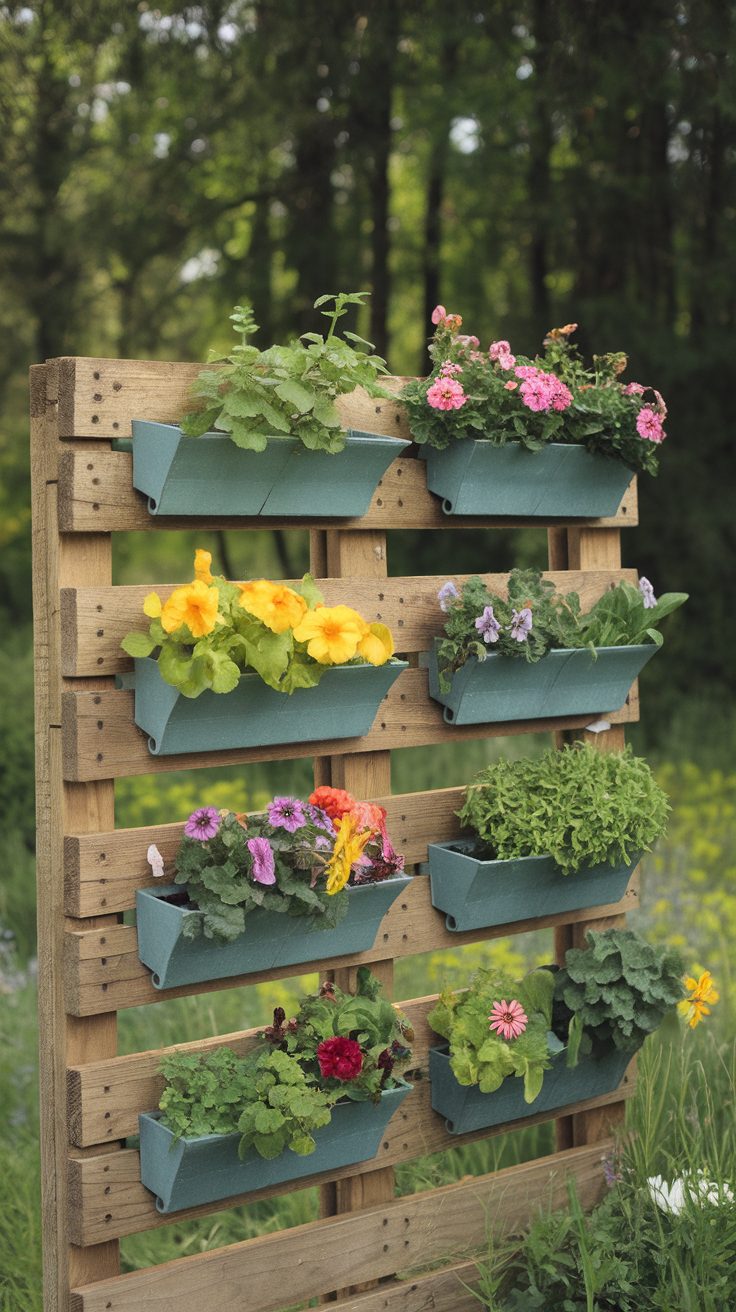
<point>541,390</point>
<point>649,425</point>
<point>446,394</point>
<point>500,353</point>
<point>448,369</point>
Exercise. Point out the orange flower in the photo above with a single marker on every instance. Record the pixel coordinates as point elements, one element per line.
<point>202,563</point>
<point>335,802</point>
<point>278,607</point>
<point>332,634</point>
<point>701,992</point>
<point>194,605</point>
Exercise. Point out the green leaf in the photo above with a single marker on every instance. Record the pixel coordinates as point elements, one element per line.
<point>295,394</point>
<point>138,644</point>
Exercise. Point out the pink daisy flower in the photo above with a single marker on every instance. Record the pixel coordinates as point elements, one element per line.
<point>508,1019</point>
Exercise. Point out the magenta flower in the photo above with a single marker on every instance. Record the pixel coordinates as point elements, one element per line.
<point>203,823</point>
<point>262,870</point>
<point>508,1019</point>
<point>447,594</point>
<point>286,813</point>
<point>446,394</point>
<point>438,314</point>
<point>500,353</point>
<point>647,593</point>
<point>521,624</point>
<point>649,425</point>
<point>488,626</point>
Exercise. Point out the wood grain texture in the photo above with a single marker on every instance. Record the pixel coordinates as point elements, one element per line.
<point>96,495</point>
<point>102,970</point>
<point>94,621</point>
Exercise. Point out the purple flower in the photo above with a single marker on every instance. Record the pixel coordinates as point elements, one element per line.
<point>488,625</point>
<point>647,593</point>
<point>263,862</point>
<point>521,624</point>
<point>203,823</point>
<point>447,593</point>
<point>286,813</point>
<point>319,818</point>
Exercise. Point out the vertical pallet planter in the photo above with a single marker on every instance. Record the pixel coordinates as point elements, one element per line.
<point>89,872</point>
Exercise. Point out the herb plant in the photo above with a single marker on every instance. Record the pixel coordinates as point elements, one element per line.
<point>210,631</point>
<point>286,390</point>
<point>577,805</point>
<point>533,619</point>
<point>555,397</point>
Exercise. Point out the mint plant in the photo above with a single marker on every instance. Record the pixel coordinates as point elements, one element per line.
<point>286,390</point>
<point>577,805</point>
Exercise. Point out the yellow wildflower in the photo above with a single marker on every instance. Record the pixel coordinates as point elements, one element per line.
<point>278,607</point>
<point>377,646</point>
<point>702,992</point>
<point>194,605</point>
<point>348,849</point>
<point>202,563</point>
<point>332,633</point>
<point>152,606</point>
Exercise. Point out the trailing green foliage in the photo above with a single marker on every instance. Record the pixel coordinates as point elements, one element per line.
<point>617,990</point>
<point>533,619</point>
<point>286,390</point>
<point>577,805</point>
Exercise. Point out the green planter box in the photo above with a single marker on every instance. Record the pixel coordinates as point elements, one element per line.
<point>466,1108</point>
<point>560,482</point>
<point>475,893</point>
<point>271,939</point>
<point>564,682</point>
<point>343,705</point>
<point>210,475</point>
<point>207,1168</point>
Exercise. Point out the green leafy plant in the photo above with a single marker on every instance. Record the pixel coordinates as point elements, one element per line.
<point>533,618</point>
<point>338,1046</point>
<point>616,991</point>
<point>286,390</point>
<point>577,805</point>
<point>555,397</point>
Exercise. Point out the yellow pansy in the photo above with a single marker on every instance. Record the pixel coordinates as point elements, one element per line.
<point>152,606</point>
<point>377,646</point>
<point>194,605</point>
<point>202,563</point>
<point>332,633</point>
<point>278,607</point>
<point>348,849</point>
<point>702,992</point>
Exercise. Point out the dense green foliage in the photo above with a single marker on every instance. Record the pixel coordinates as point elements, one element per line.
<point>287,390</point>
<point>580,806</point>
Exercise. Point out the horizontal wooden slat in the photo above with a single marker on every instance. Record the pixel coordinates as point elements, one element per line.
<point>448,1290</point>
<point>103,871</point>
<point>103,972</point>
<point>96,494</point>
<point>95,620</point>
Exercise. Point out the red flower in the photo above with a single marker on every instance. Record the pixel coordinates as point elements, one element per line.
<point>340,1058</point>
<point>335,801</point>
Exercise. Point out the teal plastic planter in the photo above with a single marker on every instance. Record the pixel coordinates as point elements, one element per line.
<point>466,1108</point>
<point>475,893</point>
<point>560,482</point>
<point>210,475</point>
<point>208,1168</point>
<point>270,939</point>
<point>342,705</point>
<point>564,682</point>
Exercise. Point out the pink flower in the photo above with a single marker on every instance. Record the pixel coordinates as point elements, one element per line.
<point>500,353</point>
<point>446,394</point>
<point>448,368</point>
<point>203,824</point>
<point>542,391</point>
<point>438,314</point>
<point>510,386</point>
<point>661,407</point>
<point>463,340</point>
<point>634,389</point>
<point>508,1019</point>
<point>649,425</point>
<point>262,870</point>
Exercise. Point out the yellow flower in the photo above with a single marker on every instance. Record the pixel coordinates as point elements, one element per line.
<point>194,605</point>
<point>202,563</point>
<point>278,607</point>
<point>152,606</point>
<point>378,645</point>
<point>332,633</point>
<point>348,849</point>
<point>701,993</point>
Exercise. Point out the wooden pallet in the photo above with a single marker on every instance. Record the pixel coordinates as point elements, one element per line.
<point>88,871</point>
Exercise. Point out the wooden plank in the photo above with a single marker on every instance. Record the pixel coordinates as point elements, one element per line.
<point>102,871</point>
<point>448,1290</point>
<point>101,741</point>
<point>96,494</point>
<point>94,621</point>
<point>102,970</point>
<point>441,1223</point>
